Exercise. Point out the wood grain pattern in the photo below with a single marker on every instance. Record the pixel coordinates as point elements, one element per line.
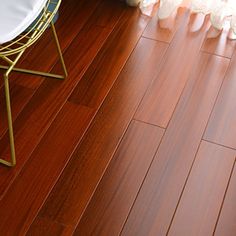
<point>200,204</point>
<point>100,76</point>
<point>20,96</point>
<point>108,13</point>
<point>221,45</point>
<point>162,97</point>
<point>158,198</point>
<point>115,194</point>
<point>28,192</point>
<point>221,128</point>
<point>69,198</point>
<point>46,227</point>
<point>39,113</point>
<point>227,221</point>
<point>86,164</point>
<point>72,11</point>
<point>165,30</point>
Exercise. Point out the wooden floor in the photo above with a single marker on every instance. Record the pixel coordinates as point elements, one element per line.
<point>139,140</point>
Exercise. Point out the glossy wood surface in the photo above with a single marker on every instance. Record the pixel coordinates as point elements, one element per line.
<point>226,223</point>
<point>220,45</point>
<point>120,184</point>
<point>163,31</point>
<point>101,140</point>
<point>162,97</point>
<point>138,140</point>
<point>41,110</point>
<point>157,200</point>
<point>221,128</point>
<point>20,97</point>
<point>42,170</point>
<point>46,227</point>
<point>204,192</point>
<point>106,67</point>
<point>72,12</point>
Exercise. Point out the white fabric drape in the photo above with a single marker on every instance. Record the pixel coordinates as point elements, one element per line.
<point>16,16</point>
<point>220,10</point>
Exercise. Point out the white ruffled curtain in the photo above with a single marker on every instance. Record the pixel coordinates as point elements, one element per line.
<point>220,10</point>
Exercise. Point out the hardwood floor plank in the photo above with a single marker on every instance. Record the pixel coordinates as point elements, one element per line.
<point>20,96</point>
<point>76,15</point>
<point>29,191</point>
<point>115,194</point>
<point>221,45</point>
<point>221,128</point>
<point>162,97</point>
<point>88,163</point>
<point>108,13</point>
<point>227,221</point>
<point>160,193</point>
<point>106,67</point>
<point>70,196</point>
<point>39,113</point>
<point>165,30</point>
<point>45,227</point>
<point>200,204</point>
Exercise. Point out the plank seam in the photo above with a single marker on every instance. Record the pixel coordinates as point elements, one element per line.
<point>209,141</point>
<point>222,204</point>
<point>142,183</point>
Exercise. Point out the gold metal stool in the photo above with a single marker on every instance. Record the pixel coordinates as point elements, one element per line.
<point>12,51</point>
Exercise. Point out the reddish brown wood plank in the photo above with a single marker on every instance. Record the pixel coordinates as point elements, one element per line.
<point>101,75</point>
<point>115,194</point>
<point>227,221</point>
<point>221,128</point>
<point>78,182</point>
<point>45,227</point>
<point>20,96</point>
<point>165,30</point>
<point>75,14</point>
<point>158,198</point>
<point>28,192</point>
<point>38,114</point>
<point>162,97</point>
<point>200,204</point>
<point>108,13</point>
<point>221,45</point>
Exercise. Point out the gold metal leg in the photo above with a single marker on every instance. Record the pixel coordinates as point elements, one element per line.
<point>33,72</point>
<point>59,49</point>
<point>45,74</point>
<point>11,68</point>
<point>10,127</point>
